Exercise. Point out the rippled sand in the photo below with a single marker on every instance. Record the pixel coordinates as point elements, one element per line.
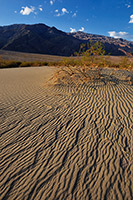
<point>57,143</point>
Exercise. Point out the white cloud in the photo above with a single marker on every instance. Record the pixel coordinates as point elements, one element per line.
<point>124,35</point>
<point>128,5</point>
<point>58,15</point>
<point>131,19</point>
<point>26,10</point>
<point>81,29</point>
<point>74,15</point>
<point>117,35</point>
<point>52,2</point>
<point>64,10</point>
<point>15,11</point>
<point>41,9</point>
<point>72,30</point>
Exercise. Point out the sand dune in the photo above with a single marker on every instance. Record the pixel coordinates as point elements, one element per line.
<point>57,143</point>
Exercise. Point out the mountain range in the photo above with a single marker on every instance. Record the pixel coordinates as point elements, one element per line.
<point>40,38</point>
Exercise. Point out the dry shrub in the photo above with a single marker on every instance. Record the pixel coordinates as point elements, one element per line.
<point>126,63</point>
<point>87,67</point>
<point>13,64</point>
<point>9,64</point>
<point>76,75</point>
<point>84,69</point>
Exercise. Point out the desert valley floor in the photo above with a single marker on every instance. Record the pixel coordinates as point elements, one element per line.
<point>57,143</point>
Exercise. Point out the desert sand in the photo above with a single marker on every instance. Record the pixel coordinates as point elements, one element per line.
<point>60,143</point>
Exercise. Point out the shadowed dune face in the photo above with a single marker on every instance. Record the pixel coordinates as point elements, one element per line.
<point>57,143</point>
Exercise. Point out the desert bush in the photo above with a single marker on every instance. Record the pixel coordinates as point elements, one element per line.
<point>91,53</point>
<point>9,64</point>
<point>87,66</point>
<point>84,69</point>
<point>45,63</point>
<point>54,63</point>
<point>126,63</point>
<point>71,62</point>
<point>26,64</point>
<point>34,64</point>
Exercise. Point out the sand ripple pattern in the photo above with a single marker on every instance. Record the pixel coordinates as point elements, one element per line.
<point>57,143</point>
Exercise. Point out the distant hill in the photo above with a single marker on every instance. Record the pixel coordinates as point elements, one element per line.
<point>42,39</point>
<point>112,45</point>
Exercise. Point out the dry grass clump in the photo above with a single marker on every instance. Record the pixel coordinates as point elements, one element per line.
<point>35,63</point>
<point>9,64</point>
<point>126,63</point>
<point>76,75</point>
<point>13,64</point>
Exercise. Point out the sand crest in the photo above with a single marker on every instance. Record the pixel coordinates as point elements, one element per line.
<point>57,143</point>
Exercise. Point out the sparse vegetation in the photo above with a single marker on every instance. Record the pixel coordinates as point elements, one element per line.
<point>87,66</point>
<point>91,55</point>
<point>82,70</point>
<point>126,63</point>
<point>9,64</point>
<point>13,64</point>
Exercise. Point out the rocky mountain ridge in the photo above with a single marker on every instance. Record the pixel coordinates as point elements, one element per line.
<point>40,38</point>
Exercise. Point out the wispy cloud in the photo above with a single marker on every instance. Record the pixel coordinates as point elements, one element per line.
<point>27,10</point>
<point>63,12</point>
<point>52,2</point>
<point>124,35</point>
<point>72,30</point>
<point>128,5</point>
<point>82,29</point>
<point>40,8</point>
<point>131,19</point>
<point>74,15</point>
<point>58,15</point>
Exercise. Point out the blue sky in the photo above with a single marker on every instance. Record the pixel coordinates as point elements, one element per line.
<point>105,17</point>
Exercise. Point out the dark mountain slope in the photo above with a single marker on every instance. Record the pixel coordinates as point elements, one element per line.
<point>39,38</point>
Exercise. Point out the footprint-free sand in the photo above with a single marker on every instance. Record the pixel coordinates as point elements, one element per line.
<point>60,143</point>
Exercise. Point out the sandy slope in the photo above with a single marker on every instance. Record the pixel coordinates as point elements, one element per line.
<point>59,144</point>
